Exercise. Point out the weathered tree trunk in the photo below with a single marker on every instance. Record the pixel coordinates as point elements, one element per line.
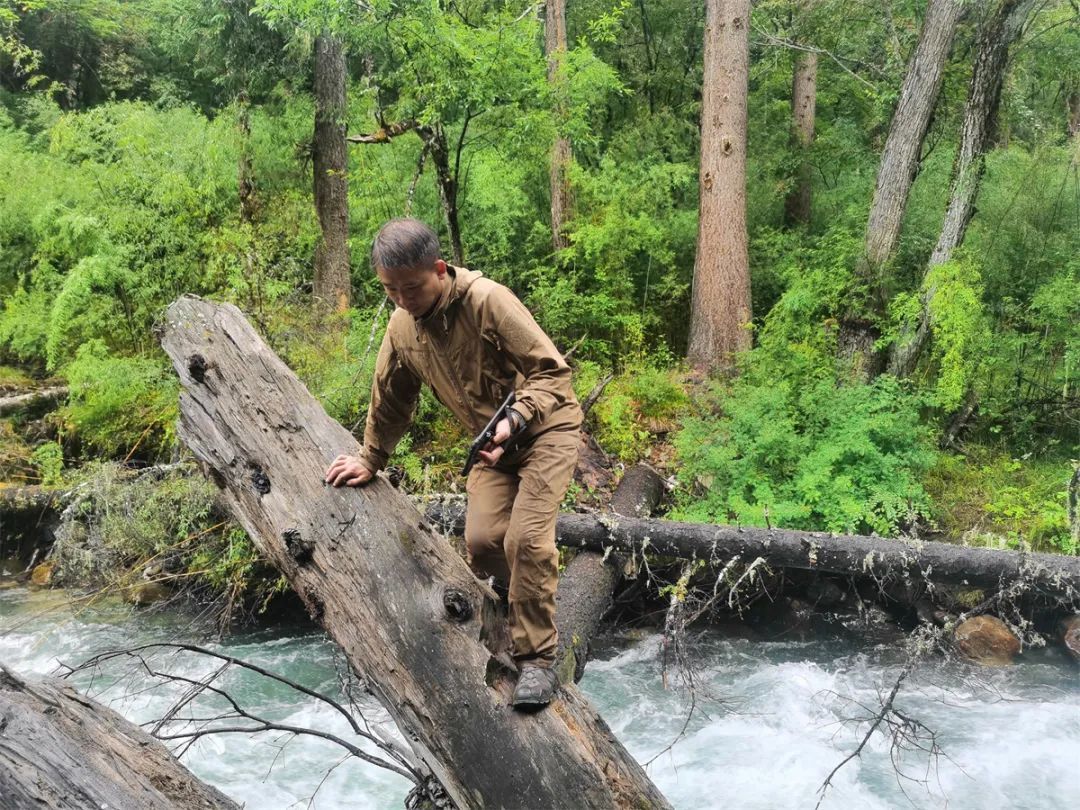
<point>561,154</point>
<point>720,306</point>
<point>413,621</point>
<point>851,555</point>
<point>332,289</point>
<point>976,137</point>
<point>803,107</point>
<point>32,400</point>
<point>896,174</point>
<point>59,749</point>
<point>435,138</point>
<point>587,584</point>
<point>245,175</point>
<point>1074,507</point>
<point>1074,113</point>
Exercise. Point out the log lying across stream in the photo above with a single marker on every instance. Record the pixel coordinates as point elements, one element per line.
<point>59,749</point>
<point>414,622</point>
<point>852,555</point>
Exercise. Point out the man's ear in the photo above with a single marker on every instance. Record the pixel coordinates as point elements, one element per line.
<point>440,267</point>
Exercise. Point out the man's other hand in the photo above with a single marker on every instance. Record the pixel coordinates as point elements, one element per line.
<point>348,471</point>
<point>494,450</point>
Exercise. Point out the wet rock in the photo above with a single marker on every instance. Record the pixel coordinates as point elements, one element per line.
<point>42,574</point>
<point>986,640</point>
<point>147,593</point>
<point>824,593</point>
<point>1069,633</point>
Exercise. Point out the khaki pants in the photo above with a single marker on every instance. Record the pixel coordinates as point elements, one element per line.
<point>510,534</point>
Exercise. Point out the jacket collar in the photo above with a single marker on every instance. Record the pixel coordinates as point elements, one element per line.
<point>460,281</point>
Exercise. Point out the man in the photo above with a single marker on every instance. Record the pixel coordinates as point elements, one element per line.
<point>473,342</point>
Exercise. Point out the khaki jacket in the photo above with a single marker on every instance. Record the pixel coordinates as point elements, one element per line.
<point>478,344</point>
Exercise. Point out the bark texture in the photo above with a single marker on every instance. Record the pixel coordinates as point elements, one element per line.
<point>588,583</point>
<point>797,206</point>
<point>332,287</point>
<point>435,139</point>
<point>896,174</point>
<point>976,138</point>
<point>720,305</point>
<point>851,555</point>
<point>59,749</point>
<point>561,153</point>
<point>413,621</point>
<point>33,400</point>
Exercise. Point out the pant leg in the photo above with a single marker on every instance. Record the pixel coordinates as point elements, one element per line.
<point>544,474</point>
<point>491,494</point>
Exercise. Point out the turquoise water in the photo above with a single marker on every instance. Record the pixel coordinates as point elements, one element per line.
<point>770,720</point>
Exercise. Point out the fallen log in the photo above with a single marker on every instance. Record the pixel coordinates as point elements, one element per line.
<point>32,400</point>
<point>588,583</point>
<point>881,558</point>
<point>59,749</point>
<point>415,624</point>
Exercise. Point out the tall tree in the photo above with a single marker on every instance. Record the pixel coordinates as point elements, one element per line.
<point>720,307</point>
<point>998,32</point>
<point>896,173</point>
<point>803,108</point>
<point>331,186</point>
<point>561,154</point>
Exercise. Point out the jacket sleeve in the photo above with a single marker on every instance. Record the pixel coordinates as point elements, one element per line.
<point>394,394</point>
<point>547,377</point>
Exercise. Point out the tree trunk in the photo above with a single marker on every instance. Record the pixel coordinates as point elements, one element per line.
<point>976,138</point>
<point>412,619</point>
<point>435,138</point>
<point>720,307</point>
<point>850,555</point>
<point>332,287</point>
<point>587,584</point>
<point>896,174</point>
<point>803,107</point>
<point>59,749</point>
<point>1074,113</point>
<point>1074,507</point>
<point>33,400</point>
<point>561,154</point>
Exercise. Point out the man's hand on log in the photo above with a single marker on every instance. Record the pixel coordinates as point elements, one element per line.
<point>349,471</point>
<point>494,450</point>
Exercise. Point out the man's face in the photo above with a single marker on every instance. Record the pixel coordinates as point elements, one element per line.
<point>414,289</point>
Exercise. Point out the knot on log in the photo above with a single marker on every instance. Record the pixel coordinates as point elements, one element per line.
<point>299,548</point>
<point>316,608</point>
<point>457,604</point>
<point>259,480</point>
<point>197,366</point>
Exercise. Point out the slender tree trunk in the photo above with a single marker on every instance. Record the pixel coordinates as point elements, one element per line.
<point>415,624</point>
<point>1074,113</point>
<point>435,138</point>
<point>720,307</point>
<point>976,138</point>
<point>245,176</point>
<point>803,107</point>
<point>332,287</point>
<point>561,153</point>
<point>896,174</point>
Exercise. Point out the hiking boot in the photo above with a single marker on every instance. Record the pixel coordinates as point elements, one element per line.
<point>535,688</point>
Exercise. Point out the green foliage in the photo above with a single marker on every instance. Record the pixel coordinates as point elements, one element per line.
<point>1000,501</point>
<point>642,402</point>
<point>844,459</point>
<point>118,404</point>
<point>48,459</point>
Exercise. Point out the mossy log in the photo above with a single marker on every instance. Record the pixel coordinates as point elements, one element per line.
<point>59,749</point>
<point>588,583</point>
<point>33,401</point>
<point>882,558</point>
<point>413,621</point>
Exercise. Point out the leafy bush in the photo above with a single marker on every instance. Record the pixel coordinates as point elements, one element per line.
<point>838,458</point>
<point>118,404</point>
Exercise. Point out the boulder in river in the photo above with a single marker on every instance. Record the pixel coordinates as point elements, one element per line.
<point>987,640</point>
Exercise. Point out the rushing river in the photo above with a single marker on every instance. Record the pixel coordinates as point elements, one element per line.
<point>770,721</point>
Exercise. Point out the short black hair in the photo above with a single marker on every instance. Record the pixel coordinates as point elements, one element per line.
<point>403,244</point>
